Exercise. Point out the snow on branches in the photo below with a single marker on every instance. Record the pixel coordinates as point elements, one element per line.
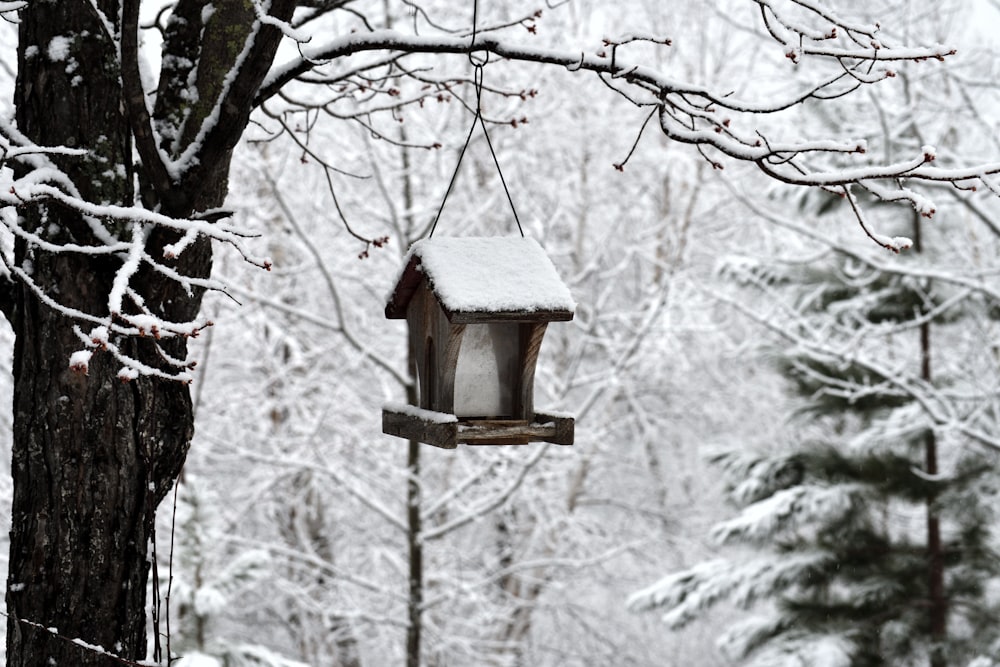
<point>41,182</point>
<point>843,56</point>
<point>377,69</point>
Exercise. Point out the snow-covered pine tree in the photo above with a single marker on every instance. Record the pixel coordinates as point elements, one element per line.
<point>865,538</point>
<point>863,534</point>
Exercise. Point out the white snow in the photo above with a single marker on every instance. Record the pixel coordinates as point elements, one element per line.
<point>209,601</point>
<point>148,325</point>
<point>196,659</point>
<point>99,336</point>
<point>206,13</point>
<point>556,413</point>
<point>128,374</point>
<point>80,361</point>
<point>58,48</point>
<point>896,243</point>
<point>93,648</point>
<point>128,269</point>
<point>494,274</point>
<point>790,511</point>
<point>301,36</point>
<point>430,416</point>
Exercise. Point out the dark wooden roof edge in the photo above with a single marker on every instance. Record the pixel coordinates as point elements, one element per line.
<point>408,283</point>
<point>475,316</point>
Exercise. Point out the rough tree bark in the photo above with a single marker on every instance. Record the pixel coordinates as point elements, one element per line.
<point>80,462</point>
<point>93,456</point>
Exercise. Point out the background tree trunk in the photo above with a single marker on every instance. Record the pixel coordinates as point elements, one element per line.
<point>938,602</point>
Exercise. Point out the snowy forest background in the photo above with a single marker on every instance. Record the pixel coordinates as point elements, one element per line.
<point>754,381</point>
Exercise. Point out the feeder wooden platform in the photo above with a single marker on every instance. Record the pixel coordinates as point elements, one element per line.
<point>447,431</point>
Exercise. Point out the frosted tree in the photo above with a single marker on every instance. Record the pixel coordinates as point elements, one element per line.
<point>307,473</point>
<point>525,522</point>
<point>869,544</point>
<point>201,594</point>
<point>865,533</point>
<point>113,190</point>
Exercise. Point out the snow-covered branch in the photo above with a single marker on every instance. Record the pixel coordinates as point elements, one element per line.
<point>360,71</point>
<point>122,233</point>
<point>688,112</point>
<point>939,408</point>
<point>489,504</point>
<point>686,594</point>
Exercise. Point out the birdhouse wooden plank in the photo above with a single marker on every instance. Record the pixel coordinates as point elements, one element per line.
<point>477,310</point>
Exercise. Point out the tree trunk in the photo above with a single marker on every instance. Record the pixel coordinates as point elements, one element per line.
<point>92,456</point>
<point>938,602</point>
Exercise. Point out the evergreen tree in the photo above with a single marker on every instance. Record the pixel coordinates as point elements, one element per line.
<point>870,529</point>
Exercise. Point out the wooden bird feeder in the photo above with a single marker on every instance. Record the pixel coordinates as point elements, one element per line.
<point>477,310</point>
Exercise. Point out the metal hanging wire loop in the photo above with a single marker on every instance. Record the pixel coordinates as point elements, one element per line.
<point>478,62</point>
<point>475,58</point>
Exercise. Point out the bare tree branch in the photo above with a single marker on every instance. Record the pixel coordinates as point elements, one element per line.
<point>135,101</point>
<point>697,115</point>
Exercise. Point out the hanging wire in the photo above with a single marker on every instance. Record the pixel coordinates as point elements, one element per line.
<point>477,62</point>
<point>472,44</point>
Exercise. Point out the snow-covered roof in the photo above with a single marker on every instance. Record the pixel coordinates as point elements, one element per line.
<point>495,275</point>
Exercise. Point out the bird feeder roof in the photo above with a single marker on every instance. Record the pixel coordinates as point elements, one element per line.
<point>484,279</point>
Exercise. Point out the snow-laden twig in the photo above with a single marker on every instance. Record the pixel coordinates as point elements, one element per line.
<point>355,490</point>
<point>857,54</point>
<point>528,565</point>
<point>973,282</point>
<point>130,367</point>
<point>44,184</point>
<point>23,192</point>
<point>486,505</point>
<point>287,29</point>
<point>343,325</point>
<point>936,405</point>
<point>128,269</point>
